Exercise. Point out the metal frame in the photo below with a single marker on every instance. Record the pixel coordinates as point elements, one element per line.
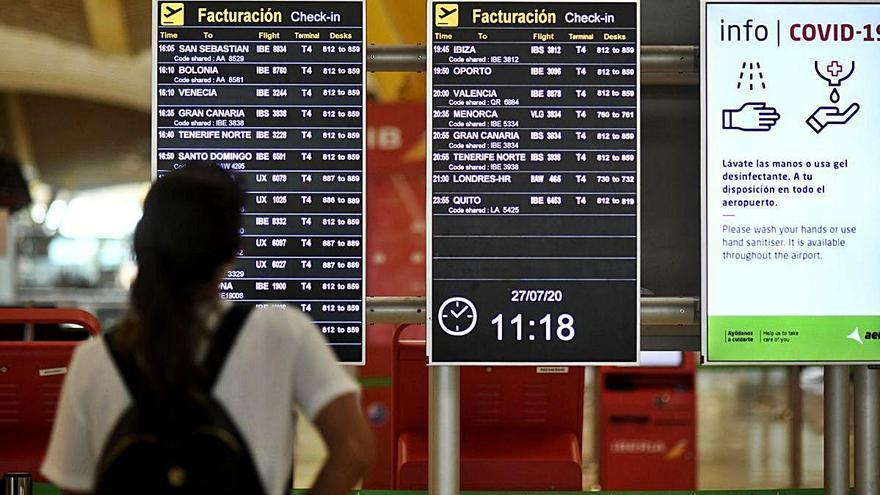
<point>660,64</point>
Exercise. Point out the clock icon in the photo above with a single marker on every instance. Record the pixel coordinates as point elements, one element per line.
<point>458,316</point>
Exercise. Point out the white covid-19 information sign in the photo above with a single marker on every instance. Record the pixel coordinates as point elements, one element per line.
<point>791,181</point>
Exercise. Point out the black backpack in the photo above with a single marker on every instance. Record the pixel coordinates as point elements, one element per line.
<point>181,446</point>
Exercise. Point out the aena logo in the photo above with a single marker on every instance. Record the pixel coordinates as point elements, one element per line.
<point>856,335</point>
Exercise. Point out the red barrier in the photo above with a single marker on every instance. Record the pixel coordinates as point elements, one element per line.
<point>31,375</point>
<point>37,316</point>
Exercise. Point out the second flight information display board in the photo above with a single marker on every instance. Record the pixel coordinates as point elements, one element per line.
<point>274,92</point>
<point>534,177</point>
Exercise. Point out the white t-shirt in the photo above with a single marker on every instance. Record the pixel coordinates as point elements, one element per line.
<point>279,360</point>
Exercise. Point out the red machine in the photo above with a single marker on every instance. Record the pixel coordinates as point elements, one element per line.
<point>31,374</point>
<point>521,427</point>
<point>647,427</point>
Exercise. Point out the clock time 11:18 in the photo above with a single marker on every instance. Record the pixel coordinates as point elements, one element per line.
<point>562,328</point>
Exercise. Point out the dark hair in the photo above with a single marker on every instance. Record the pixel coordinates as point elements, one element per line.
<point>188,231</point>
<point>14,193</point>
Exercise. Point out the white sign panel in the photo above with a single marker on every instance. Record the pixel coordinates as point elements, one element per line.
<point>791,230</point>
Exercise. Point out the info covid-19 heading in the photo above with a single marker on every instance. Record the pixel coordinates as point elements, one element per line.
<point>753,31</point>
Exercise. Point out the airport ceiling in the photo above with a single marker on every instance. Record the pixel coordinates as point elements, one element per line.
<point>75,79</point>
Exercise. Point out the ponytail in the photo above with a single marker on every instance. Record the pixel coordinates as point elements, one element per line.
<point>188,233</point>
<point>161,327</point>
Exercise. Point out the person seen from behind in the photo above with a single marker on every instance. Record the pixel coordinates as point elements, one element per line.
<point>189,395</point>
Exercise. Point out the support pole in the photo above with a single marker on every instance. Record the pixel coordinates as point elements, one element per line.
<point>796,407</point>
<point>443,430</point>
<point>836,430</point>
<point>867,430</point>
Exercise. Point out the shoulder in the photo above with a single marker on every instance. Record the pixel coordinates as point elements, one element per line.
<point>282,326</point>
<point>93,380</point>
<point>283,320</point>
<point>92,372</point>
<point>89,349</point>
<point>281,315</point>
<point>90,358</point>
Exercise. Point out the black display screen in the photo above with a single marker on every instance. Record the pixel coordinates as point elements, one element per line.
<point>274,92</point>
<point>533,147</point>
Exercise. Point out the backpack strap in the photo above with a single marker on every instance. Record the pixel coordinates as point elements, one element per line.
<point>128,368</point>
<point>224,339</point>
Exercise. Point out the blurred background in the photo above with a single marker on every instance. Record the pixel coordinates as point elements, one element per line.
<point>75,113</point>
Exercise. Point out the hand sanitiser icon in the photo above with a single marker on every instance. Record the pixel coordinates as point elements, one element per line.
<point>834,73</point>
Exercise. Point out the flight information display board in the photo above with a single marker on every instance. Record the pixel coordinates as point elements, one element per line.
<point>274,92</point>
<point>533,199</point>
<point>790,179</point>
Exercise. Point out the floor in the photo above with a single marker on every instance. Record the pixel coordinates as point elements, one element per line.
<point>743,431</point>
